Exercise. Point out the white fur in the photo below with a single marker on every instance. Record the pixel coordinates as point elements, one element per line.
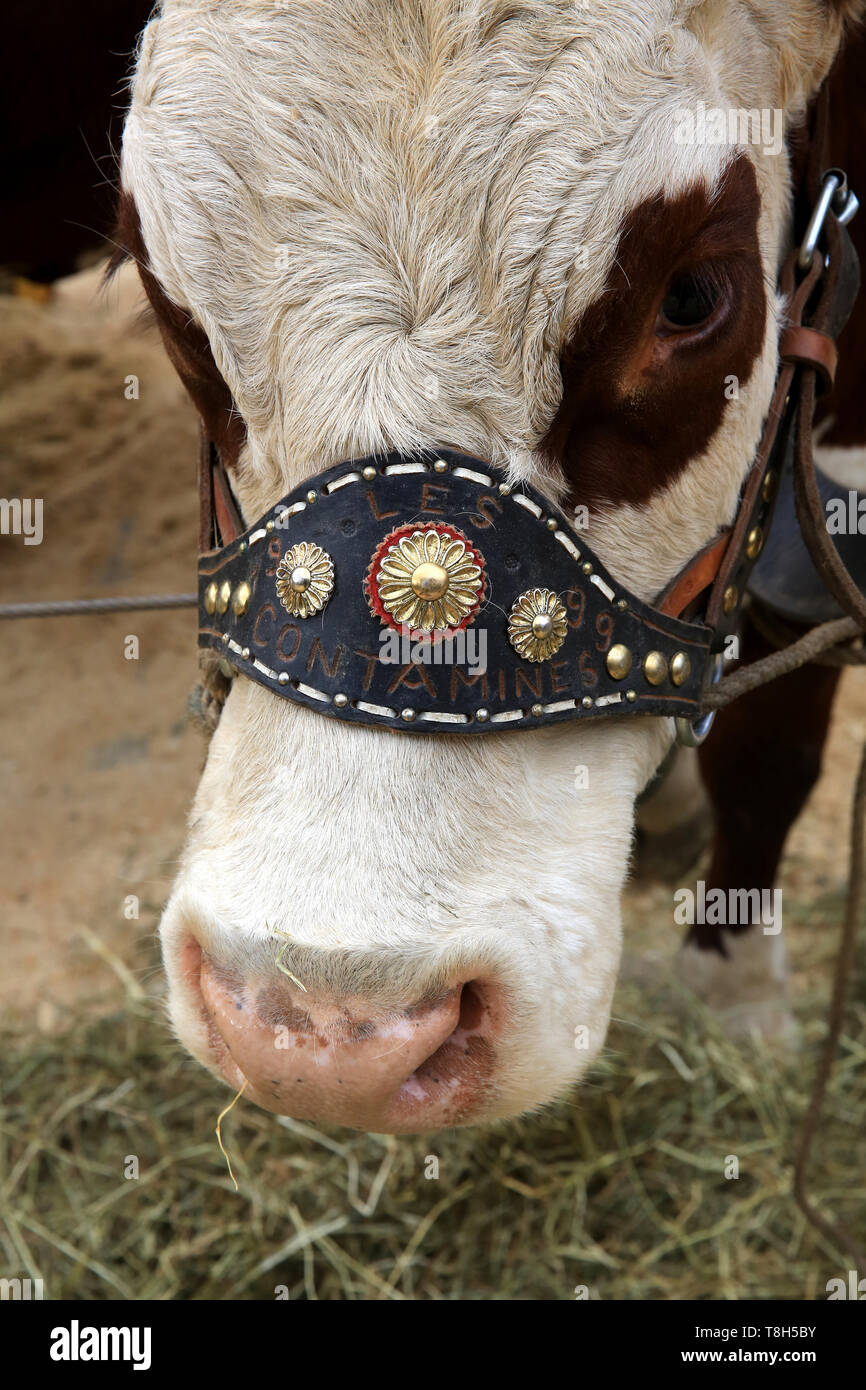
<point>432,171</point>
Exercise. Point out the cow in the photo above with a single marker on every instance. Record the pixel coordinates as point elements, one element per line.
<point>494,225</point>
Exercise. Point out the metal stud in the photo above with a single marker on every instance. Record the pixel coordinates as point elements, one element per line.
<point>552,523</point>
<point>587,702</point>
<point>429,581</point>
<point>305,579</point>
<point>586,567</point>
<point>311,497</point>
<point>618,661</point>
<point>242,547</point>
<point>341,701</point>
<point>241,598</point>
<point>368,473</point>
<point>504,489</point>
<point>269,526</point>
<point>407,715</point>
<point>537,711</point>
<point>440,466</point>
<point>769,486</point>
<point>631,696</point>
<point>223,597</point>
<point>537,624</point>
<point>246,653</point>
<point>482,715</point>
<point>655,667</point>
<point>622,604</point>
<point>283,678</point>
<point>729,598</point>
<point>225,637</point>
<point>681,668</point>
<point>754,542</point>
<point>210,598</point>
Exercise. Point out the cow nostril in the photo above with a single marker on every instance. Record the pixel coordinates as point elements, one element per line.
<point>466,1052</point>
<point>471,1006</point>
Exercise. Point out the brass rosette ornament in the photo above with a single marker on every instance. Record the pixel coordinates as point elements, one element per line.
<point>305,579</point>
<point>537,625</point>
<point>428,578</point>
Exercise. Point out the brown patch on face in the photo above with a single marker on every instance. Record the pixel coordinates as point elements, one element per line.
<point>638,404</point>
<point>185,342</point>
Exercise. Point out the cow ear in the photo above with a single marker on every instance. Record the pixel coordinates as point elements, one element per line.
<point>802,37</point>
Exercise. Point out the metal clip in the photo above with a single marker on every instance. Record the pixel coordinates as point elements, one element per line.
<point>835,196</point>
<point>692,732</point>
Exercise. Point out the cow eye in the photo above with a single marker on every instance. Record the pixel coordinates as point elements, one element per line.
<point>689,302</point>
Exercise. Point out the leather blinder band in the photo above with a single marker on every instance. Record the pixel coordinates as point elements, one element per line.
<point>427,595</point>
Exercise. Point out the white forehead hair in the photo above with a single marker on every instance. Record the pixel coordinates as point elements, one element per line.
<point>387,217</point>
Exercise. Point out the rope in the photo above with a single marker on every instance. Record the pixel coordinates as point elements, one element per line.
<point>778,632</point>
<point>781,663</point>
<point>844,963</point>
<point>62,608</point>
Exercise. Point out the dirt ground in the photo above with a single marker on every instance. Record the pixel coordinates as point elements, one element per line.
<point>98,761</point>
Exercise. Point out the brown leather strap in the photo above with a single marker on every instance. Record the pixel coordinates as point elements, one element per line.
<point>698,576</point>
<point>736,564</point>
<point>220,520</point>
<point>227,514</point>
<point>723,563</point>
<point>807,495</point>
<point>809,347</point>
<point>205,491</point>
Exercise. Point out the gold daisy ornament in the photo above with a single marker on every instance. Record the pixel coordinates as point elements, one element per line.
<point>305,579</point>
<point>428,577</point>
<point>537,624</point>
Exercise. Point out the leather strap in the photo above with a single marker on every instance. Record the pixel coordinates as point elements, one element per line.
<point>724,565</point>
<point>808,355</point>
<point>698,575</point>
<point>220,520</point>
<point>809,347</point>
<point>227,514</point>
<point>348,655</point>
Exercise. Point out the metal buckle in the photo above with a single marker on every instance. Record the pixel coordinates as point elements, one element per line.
<point>691,733</point>
<point>835,196</point>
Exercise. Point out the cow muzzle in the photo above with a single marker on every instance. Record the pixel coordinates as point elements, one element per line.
<point>349,1060</point>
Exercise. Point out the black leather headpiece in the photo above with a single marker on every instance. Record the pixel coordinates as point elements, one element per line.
<point>377,590</point>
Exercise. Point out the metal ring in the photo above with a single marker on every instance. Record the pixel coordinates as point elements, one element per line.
<point>691,733</point>
<point>834,194</point>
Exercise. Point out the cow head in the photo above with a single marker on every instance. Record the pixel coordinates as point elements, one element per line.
<point>391,226</point>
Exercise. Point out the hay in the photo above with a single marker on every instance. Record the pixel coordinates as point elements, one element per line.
<point>621,1189</point>
<point>222,1148</point>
